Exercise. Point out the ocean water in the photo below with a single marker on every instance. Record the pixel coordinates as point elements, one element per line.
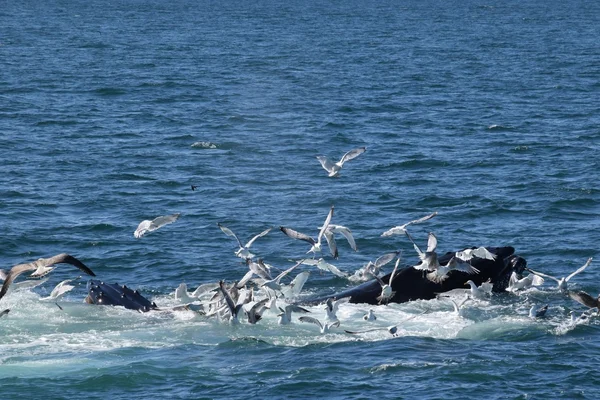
<point>484,111</point>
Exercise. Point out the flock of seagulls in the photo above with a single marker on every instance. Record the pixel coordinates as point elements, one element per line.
<point>260,290</point>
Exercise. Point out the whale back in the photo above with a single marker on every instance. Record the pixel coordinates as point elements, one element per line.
<point>113,294</point>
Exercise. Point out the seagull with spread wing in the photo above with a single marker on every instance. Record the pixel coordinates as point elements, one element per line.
<point>334,168</point>
<point>42,267</point>
<point>315,244</point>
<point>562,282</point>
<point>147,225</point>
<point>244,250</point>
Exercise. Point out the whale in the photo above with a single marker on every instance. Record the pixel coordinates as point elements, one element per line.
<point>411,284</point>
<point>113,294</point>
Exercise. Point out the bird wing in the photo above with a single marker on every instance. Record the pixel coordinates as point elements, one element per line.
<point>163,220</point>
<point>228,300</point>
<point>62,258</point>
<point>348,235</point>
<point>417,248</point>
<point>422,219</point>
<point>393,275</point>
<point>386,258</point>
<point>542,275</point>
<point>326,163</point>
<point>331,243</point>
<point>365,331</point>
<point>229,232</point>
<point>325,224</point>
<point>287,271</point>
<point>580,269</point>
<point>311,320</point>
<point>263,233</point>
<point>352,154</point>
<point>297,235</point>
<point>431,242</point>
<point>335,270</point>
<point>584,298</point>
<point>461,265</point>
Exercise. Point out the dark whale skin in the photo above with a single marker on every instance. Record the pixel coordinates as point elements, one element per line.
<point>411,284</point>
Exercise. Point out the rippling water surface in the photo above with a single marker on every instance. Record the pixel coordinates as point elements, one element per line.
<point>486,112</point>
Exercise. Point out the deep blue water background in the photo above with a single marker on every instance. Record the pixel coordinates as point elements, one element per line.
<point>485,111</point>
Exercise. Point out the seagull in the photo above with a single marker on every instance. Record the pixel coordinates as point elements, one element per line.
<point>480,292</point>
<point>295,287</point>
<point>585,299</point>
<point>458,307</point>
<point>514,283</point>
<point>533,313</point>
<point>285,317</point>
<point>441,272</point>
<point>329,236</point>
<point>562,282</point>
<point>26,284</point>
<point>60,289</point>
<point>479,252</point>
<point>372,268</point>
<point>244,250</point>
<point>393,330</point>
<point>324,328</point>
<point>331,307</point>
<point>274,283</point>
<point>182,294</point>
<point>400,229</point>
<point>316,244</point>
<point>386,288</point>
<point>334,168</point>
<point>42,267</point>
<point>370,315</point>
<point>150,226</point>
<point>234,309</point>
<point>255,313</point>
<point>429,258</point>
<point>325,266</point>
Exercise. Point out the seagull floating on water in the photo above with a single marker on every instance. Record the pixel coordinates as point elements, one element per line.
<point>334,168</point>
<point>480,292</point>
<point>147,225</point>
<point>370,315</point>
<point>540,313</point>
<point>244,250</point>
<point>393,330</point>
<point>562,282</point>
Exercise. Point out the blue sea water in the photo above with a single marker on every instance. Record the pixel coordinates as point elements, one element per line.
<point>487,112</point>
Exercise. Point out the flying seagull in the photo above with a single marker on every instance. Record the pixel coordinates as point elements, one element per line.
<point>334,168</point>
<point>562,282</point>
<point>400,229</point>
<point>585,299</point>
<point>316,244</point>
<point>42,267</point>
<point>244,250</point>
<point>147,226</point>
<point>386,288</point>
<point>323,328</point>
